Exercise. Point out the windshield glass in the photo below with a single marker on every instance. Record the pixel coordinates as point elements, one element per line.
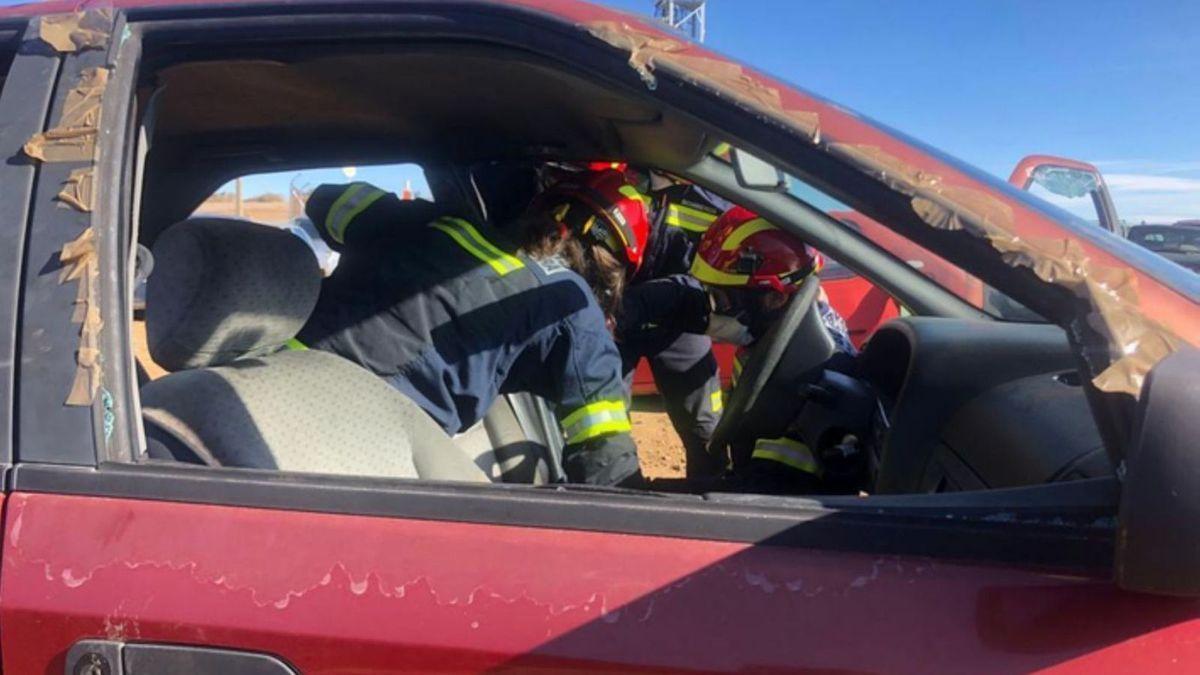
<point>941,271</point>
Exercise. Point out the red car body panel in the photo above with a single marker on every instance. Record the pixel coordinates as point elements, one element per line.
<point>337,594</point>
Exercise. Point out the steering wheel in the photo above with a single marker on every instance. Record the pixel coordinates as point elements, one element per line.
<point>798,341</point>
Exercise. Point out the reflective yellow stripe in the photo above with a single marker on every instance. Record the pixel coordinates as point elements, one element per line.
<point>353,201</point>
<point>595,419</point>
<point>674,219</point>
<point>695,213</point>
<point>717,401</point>
<point>601,429</point>
<point>295,345</point>
<point>745,231</point>
<point>510,260</point>
<point>692,220</point>
<point>599,406</point>
<point>632,193</point>
<point>466,236</point>
<point>787,451</point>
<point>711,275</point>
<point>737,371</point>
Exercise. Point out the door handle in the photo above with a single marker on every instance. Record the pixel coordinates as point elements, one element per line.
<point>108,657</point>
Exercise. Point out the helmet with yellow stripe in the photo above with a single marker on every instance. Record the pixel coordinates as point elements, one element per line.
<point>742,250</point>
<point>603,207</point>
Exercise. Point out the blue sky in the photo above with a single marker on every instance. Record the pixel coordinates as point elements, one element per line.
<point>989,81</point>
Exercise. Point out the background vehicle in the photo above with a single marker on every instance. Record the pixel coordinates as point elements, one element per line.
<point>1179,243</point>
<point>166,566</point>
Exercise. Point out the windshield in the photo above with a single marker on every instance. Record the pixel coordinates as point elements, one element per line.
<point>936,268</point>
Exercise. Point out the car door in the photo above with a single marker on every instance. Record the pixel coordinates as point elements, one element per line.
<point>1068,182</point>
<point>114,566</point>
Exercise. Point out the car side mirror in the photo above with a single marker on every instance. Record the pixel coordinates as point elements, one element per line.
<point>755,173</point>
<point>1158,536</point>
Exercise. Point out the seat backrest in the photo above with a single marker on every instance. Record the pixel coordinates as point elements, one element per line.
<point>502,446</point>
<point>225,299</point>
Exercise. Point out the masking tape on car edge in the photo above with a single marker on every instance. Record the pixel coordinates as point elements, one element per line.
<point>77,189</point>
<point>77,31</point>
<point>647,51</point>
<point>74,138</point>
<point>1135,342</point>
<point>81,265</point>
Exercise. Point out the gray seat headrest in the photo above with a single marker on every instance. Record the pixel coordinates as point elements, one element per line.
<point>223,289</point>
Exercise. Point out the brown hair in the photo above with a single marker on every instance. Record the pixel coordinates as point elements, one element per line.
<point>542,237</point>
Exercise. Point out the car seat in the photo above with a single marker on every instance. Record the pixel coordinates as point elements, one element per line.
<point>226,298</point>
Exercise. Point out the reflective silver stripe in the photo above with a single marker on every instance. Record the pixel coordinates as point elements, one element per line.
<point>355,200</point>
<point>787,451</point>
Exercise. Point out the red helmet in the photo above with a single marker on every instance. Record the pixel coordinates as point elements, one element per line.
<point>742,250</point>
<point>604,166</point>
<point>603,207</point>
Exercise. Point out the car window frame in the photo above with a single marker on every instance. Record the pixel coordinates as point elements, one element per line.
<point>1064,526</point>
<point>24,105</point>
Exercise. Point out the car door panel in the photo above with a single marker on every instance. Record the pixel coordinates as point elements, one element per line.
<point>342,593</point>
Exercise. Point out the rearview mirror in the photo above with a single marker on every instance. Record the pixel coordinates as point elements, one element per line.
<point>1158,537</point>
<point>755,173</point>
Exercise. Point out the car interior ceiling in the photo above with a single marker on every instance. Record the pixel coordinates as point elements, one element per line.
<point>448,106</point>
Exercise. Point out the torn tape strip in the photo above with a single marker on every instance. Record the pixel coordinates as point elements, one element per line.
<point>647,51</point>
<point>1135,342</point>
<point>77,189</point>
<point>82,106</point>
<point>74,139</point>
<point>81,264</point>
<point>77,31</point>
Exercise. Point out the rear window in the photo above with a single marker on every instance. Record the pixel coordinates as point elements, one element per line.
<point>278,198</point>
<point>1167,238</point>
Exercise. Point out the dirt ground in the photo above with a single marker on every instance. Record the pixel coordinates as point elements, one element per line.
<point>659,448</point>
<point>273,212</point>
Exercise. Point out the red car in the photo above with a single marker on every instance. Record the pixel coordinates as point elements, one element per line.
<point>1032,497</point>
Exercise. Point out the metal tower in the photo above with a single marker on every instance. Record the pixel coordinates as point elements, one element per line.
<point>684,15</point>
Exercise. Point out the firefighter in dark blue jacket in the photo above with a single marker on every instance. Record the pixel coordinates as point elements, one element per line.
<point>454,313</point>
<point>680,355</point>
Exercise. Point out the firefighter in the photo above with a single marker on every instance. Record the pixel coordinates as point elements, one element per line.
<point>751,269</point>
<point>454,313</point>
<point>679,354</point>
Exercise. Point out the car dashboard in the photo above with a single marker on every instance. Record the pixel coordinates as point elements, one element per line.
<point>968,405</point>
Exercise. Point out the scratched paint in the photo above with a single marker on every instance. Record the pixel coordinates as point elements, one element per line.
<point>332,593</point>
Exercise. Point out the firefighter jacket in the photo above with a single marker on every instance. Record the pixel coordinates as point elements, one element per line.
<point>452,316</point>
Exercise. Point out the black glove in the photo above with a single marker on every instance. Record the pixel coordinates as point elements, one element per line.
<point>677,304</point>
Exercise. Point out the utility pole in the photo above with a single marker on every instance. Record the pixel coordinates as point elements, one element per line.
<point>687,16</point>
